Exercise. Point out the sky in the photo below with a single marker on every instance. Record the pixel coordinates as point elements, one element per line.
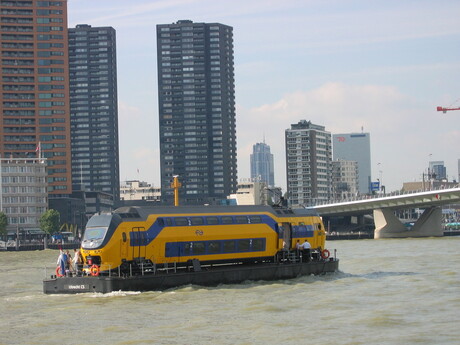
<point>378,66</point>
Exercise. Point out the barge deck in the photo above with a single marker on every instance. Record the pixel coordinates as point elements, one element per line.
<point>203,276</point>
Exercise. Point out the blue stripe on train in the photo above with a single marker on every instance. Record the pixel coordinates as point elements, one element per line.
<point>144,238</point>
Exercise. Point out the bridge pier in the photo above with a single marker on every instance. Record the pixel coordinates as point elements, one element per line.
<point>387,225</point>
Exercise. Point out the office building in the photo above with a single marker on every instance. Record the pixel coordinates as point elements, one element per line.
<point>34,87</point>
<point>355,147</point>
<point>308,164</point>
<point>139,191</point>
<point>196,95</point>
<point>262,164</point>
<point>23,191</point>
<point>249,193</point>
<point>437,170</point>
<point>94,110</point>
<point>344,179</point>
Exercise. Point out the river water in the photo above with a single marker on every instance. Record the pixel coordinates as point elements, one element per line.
<point>389,291</point>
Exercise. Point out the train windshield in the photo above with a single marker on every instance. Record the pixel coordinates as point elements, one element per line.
<point>95,233</point>
<point>93,237</point>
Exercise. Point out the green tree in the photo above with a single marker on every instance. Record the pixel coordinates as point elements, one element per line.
<point>49,221</point>
<point>3,224</point>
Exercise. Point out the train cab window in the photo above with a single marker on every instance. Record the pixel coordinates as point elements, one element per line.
<point>212,220</point>
<point>241,219</point>
<point>227,220</point>
<point>181,221</point>
<point>244,245</point>
<point>123,235</point>
<point>213,247</point>
<point>258,244</point>
<point>255,219</point>
<point>229,246</point>
<point>196,221</point>
<point>199,248</point>
<point>301,223</point>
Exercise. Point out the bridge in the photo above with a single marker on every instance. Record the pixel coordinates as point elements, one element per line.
<point>387,225</point>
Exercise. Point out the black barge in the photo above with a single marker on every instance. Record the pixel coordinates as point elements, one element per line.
<point>167,278</point>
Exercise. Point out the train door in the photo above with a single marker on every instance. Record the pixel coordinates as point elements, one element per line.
<point>287,234</point>
<point>138,242</point>
<point>124,246</point>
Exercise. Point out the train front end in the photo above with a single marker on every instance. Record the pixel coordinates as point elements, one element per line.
<point>97,243</point>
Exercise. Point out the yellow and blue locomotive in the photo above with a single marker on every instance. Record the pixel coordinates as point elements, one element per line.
<point>211,234</point>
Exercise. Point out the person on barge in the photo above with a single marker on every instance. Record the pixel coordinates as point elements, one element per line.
<point>306,251</point>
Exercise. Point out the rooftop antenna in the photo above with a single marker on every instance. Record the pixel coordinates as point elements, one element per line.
<point>362,129</point>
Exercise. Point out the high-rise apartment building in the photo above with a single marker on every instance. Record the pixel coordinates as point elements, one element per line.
<point>196,94</point>
<point>93,109</point>
<point>355,147</point>
<point>308,164</point>
<point>34,86</point>
<point>262,164</point>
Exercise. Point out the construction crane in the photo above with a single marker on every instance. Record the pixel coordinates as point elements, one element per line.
<point>449,108</point>
<point>444,110</point>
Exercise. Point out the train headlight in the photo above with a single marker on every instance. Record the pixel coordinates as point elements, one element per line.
<point>91,243</point>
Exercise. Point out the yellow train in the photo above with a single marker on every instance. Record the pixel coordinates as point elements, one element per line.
<point>134,236</point>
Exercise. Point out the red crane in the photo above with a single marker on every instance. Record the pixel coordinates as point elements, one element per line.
<point>444,110</point>
<point>449,108</point>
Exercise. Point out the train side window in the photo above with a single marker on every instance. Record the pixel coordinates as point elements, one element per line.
<point>227,220</point>
<point>212,220</point>
<point>188,248</point>
<point>181,221</point>
<point>196,221</point>
<point>255,219</point>
<point>168,221</point>
<point>213,247</point>
<point>258,245</point>
<point>123,235</point>
<point>241,219</point>
<point>199,248</point>
<point>229,246</point>
<point>244,245</point>
<point>161,222</point>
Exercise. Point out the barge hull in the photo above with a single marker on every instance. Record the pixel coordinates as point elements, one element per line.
<point>212,277</point>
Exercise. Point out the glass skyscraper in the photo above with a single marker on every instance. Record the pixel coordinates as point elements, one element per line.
<point>94,109</point>
<point>196,94</point>
<point>262,164</point>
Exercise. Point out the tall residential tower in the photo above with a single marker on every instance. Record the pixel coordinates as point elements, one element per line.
<point>308,164</point>
<point>93,109</point>
<point>34,87</point>
<point>196,94</point>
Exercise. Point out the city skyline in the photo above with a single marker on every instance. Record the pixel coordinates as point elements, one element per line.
<point>345,65</point>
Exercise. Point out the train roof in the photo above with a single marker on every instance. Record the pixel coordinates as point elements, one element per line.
<point>144,211</point>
